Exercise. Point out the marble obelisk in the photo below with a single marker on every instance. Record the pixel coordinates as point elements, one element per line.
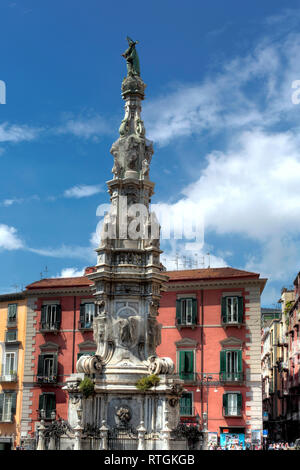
<point>128,280</point>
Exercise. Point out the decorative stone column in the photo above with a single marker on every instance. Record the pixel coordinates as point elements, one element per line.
<point>41,441</point>
<point>166,432</point>
<point>104,436</point>
<point>141,436</point>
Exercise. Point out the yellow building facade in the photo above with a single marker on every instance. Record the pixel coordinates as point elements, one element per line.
<point>12,348</point>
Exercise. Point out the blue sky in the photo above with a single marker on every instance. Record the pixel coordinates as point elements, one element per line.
<point>218,107</point>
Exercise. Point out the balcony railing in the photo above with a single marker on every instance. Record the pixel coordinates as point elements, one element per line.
<point>47,414</point>
<point>85,325</point>
<point>46,379</point>
<point>11,322</point>
<point>9,377</point>
<point>187,411</point>
<point>188,376</point>
<point>231,377</point>
<point>49,327</point>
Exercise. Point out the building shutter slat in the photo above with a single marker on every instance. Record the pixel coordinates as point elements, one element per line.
<point>194,311</point>
<point>42,401</point>
<point>240,309</point>
<point>13,403</point>
<point>82,314</point>
<point>223,310</point>
<point>178,312</point>
<point>40,369</point>
<point>43,313</point>
<point>55,365</point>
<point>240,363</point>
<point>1,405</point>
<point>239,403</point>
<point>222,361</point>
<point>225,403</point>
<point>58,315</point>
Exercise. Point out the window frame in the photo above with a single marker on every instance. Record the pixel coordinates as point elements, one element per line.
<point>13,370</point>
<point>12,320</point>
<point>238,405</point>
<point>189,375</point>
<point>228,317</point>
<point>83,323</point>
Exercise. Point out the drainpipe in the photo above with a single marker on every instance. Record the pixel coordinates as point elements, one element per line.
<point>202,353</point>
<point>74,327</point>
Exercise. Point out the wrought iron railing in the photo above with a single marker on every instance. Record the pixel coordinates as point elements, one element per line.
<point>49,326</point>
<point>9,377</point>
<point>188,376</point>
<point>46,379</point>
<point>231,376</point>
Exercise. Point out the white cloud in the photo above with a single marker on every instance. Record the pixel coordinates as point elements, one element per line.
<point>9,239</point>
<point>17,133</point>
<point>71,272</point>
<point>67,251</point>
<point>86,127</point>
<point>82,190</point>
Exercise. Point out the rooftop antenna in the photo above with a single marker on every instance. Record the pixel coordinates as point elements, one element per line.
<point>196,260</point>
<point>208,254</point>
<point>176,260</point>
<point>15,286</point>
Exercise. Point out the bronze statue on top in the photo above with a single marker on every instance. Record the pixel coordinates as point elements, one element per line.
<point>132,59</point>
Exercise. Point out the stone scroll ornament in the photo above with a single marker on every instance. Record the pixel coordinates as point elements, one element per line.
<point>160,365</point>
<point>89,365</point>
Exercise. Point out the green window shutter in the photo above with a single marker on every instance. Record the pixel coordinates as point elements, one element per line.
<point>55,365</point>
<point>13,403</point>
<point>223,361</point>
<point>50,403</point>
<point>223,310</point>
<point>239,403</point>
<point>58,315</point>
<point>178,312</point>
<point>40,369</point>
<point>194,311</point>
<point>225,403</point>
<point>240,362</point>
<point>240,309</point>
<point>1,405</point>
<point>82,314</point>
<point>42,401</point>
<point>186,364</point>
<point>43,313</point>
<point>12,311</point>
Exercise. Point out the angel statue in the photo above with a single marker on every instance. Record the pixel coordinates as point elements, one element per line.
<point>132,59</point>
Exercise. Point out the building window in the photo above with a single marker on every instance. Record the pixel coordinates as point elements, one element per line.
<point>47,406</point>
<point>50,317</point>
<point>186,404</point>
<point>186,312</point>
<point>186,365</point>
<point>87,312</point>
<point>47,368</point>
<point>7,406</point>
<point>232,404</point>
<point>12,315</point>
<point>11,336</point>
<point>231,365</point>
<point>10,363</point>
<point>232,310</point>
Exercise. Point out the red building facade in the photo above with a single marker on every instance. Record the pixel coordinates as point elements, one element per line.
<point>210,329</point>
<point>59,330</point>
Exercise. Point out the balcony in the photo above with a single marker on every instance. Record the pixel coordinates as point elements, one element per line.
<point>47,414</point>
<point>13,377</point>
<point>11,323</point>
<point>44,379</point>
<point>85,326</point>
<point>188,376</point>
<point>185,325</point>
<point>232,413</point>
<point>49,327</point>
<point>231,377</point>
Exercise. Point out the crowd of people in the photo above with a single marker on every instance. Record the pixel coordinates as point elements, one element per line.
<point>270,446</point>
